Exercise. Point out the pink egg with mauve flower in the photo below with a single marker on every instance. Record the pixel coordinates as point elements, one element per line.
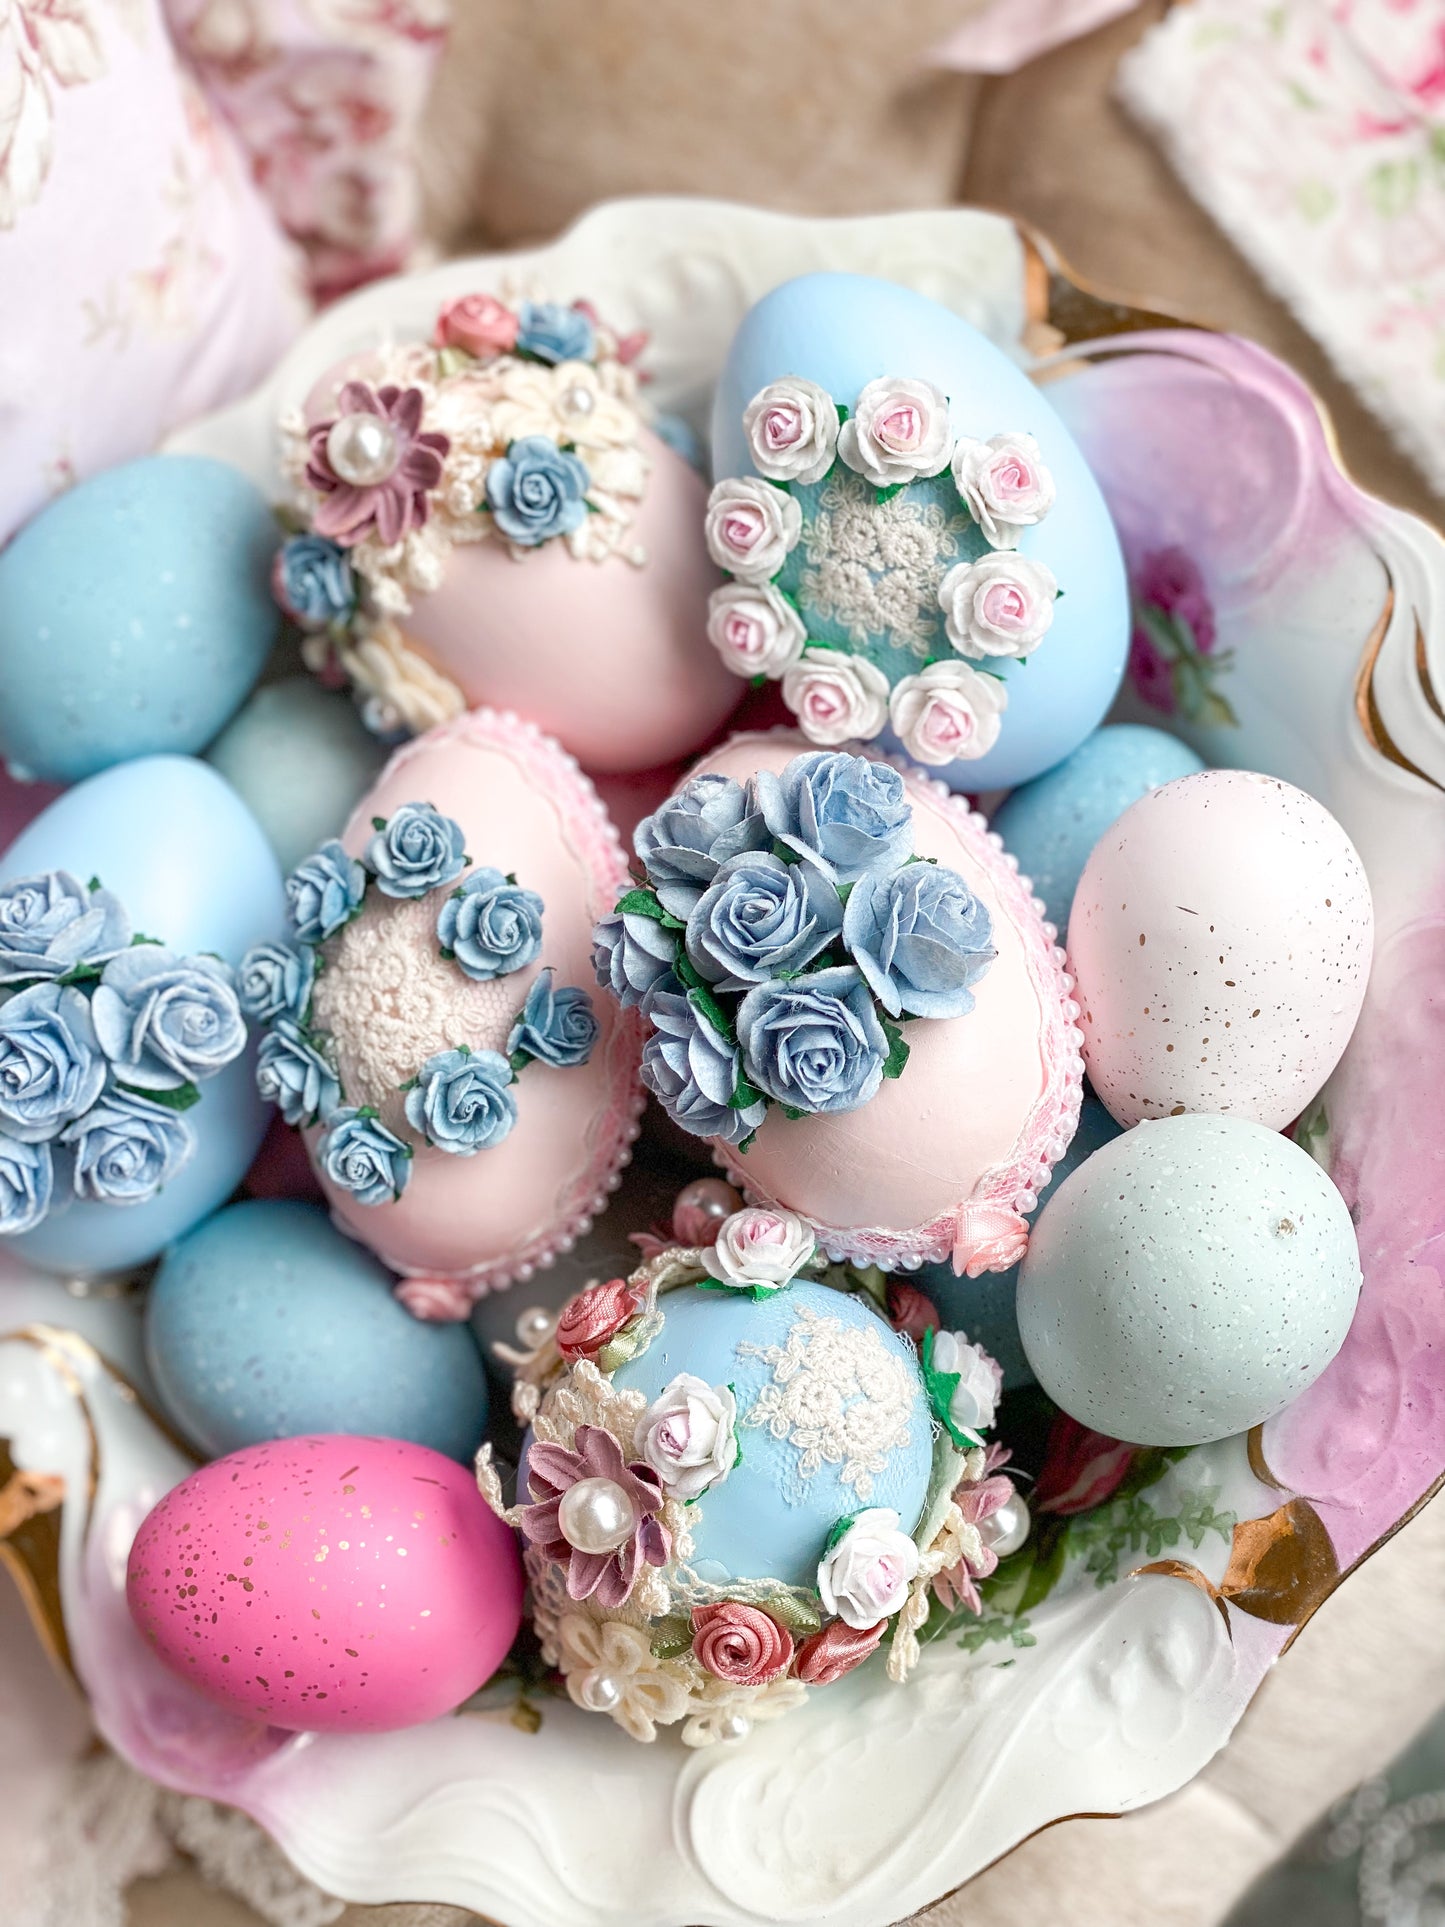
<point>331,1584</point>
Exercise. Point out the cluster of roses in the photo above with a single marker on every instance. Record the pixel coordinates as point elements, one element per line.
<point>105,1038</point>
<point>782,933</point>
<point>998,605</point>
<point>488,926</point>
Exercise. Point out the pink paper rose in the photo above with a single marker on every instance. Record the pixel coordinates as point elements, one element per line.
<point>1001,605</point>
<point>836,1650</point>
<point>437,1300</point>
<point>595,1316</point>
<point>740,1643</point>
<point>1005,485</point>
<point>754,630</point>
<point>836,698</point>
<point>792,430</point>
<point>898,431</point>
<point>751,527</point>
<point>478,324</point>
<point>947,713</point>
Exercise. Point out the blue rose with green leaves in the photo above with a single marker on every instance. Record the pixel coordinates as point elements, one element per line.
<point>27,1179</point>
<point>491,926</point>
<point>165,1020</point>
<point>51,1064</point>
<point>461,1101</point>
<point>359,1155</point>
<point>692,1070</point>
<point>631,955</point>
<point>416,850</point>
<point>292,1074</point>
<point>537,490</point>
<point>815,1044</point>
<point>126,1148</point>
<point>847,815</point>
<point>761,918</point>
<point>555,333</point>
<point>557,1027</point>
<point>921,938</point>
<point>685,842</point>
<point>276,980</point>
<point>53,923</point>
<point>324,892</point>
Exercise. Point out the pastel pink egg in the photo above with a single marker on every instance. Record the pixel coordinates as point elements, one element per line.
<point>330,1584</point>
<point>947,1160</point>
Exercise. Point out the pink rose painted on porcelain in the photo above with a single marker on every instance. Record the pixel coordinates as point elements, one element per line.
<point>740,1643</point>
<point>595,1316</point>
<point>478,324</point>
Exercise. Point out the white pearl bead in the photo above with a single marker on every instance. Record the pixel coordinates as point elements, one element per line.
<point>362,449</point>
<point>596,1515</point>
<point>1005,1530</point>
<point>535,1326</point>
<point>599,1692</point>
<point>579,400</point>
<point>734,1726</point>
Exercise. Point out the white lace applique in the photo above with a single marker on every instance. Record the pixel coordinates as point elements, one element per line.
<point>874,567</point>
<point>838,1396</point>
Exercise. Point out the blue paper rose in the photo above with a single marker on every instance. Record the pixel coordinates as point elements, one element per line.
<point>358,1154</point>
<point>683,844</point>
<point>126,1148</point>
<point>313,582</point>
<point>461,1101</point>
<point>51,1066</point>
<point>415,851</point>
<point>761,918</point>
<point>51,923</point>
<point>849,816</point>
<point>324,892</point>
<point>557,1027</point>
<point>27,1178</point>
<point>692,1071</point>
<point>815,1044</point>
<point>921,938</point>
<point>553,333</point>
<point>631,954</point>
<point>165,1020</point>
<point>537,490</point>
<point>293,1075</point>
<point>276,980</point>
<point>491,926</point>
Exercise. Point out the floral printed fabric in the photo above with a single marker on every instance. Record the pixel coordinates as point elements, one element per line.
<point>1314,132</point>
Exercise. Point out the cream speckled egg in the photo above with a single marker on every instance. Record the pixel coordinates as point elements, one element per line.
<point>1220,940</point>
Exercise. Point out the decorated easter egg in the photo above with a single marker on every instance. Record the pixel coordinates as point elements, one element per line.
<point>917,549</point>
<point>489,519</point>
<point>1052,824</point>
<point>141,887</point>
<point>265,1322</point>
<point>331,1584</point>
<point>298,756</point>
<point>135,615</point>
<point>431,1022</point>
<point>851,996</point>
<point>1221,937</point>
<point>1188,1281</point>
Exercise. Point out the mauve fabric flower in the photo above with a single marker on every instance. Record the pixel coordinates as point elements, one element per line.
<point>552,1471</point>
<point>836,1650</point>
<point>977,1500</point>
<point>845,814</point>
<point>631,956</point>
<point>27,1179</point>
<point>126,1148</point>
<point>416,850</point>
<point>592,1318</point>
<point>358,1154</point>
<point>293,1075</point>
<point>815,1044</point>
<point>684,842</point>
<point>275,981</point>
<point>555,333</point>
<point>165,1020</point>
<point>52,922</point>
<point>692,1071</point>
<point>490,925</point>
<point>348,511</point>
<point>478,324</point>
<point>761,918</point>
<point>556,1027</point>
<point>324,892</point>
<point>537,490</point>
<point>739,1643</point>
<point>921,938</point>
<point>51,1066</point>
<point>462,1101</point>
<point>1081,1468</point>
<point>312,581</point>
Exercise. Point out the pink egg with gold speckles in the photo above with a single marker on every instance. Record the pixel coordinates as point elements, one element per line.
<point>330,1584</point>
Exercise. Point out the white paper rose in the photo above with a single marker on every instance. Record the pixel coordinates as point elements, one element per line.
<point>688,1435</point>
<point>758,1247</point>
<point>836,697</point>
<point>792,430</point>
<point>974,1399</point>
<point>1005,485</point>
<point>1001,605</point>
<point>947,713</point>
<point>898,431</point>
<point>865,1575</point>
<point>751,527</point>
<point>754,629</point>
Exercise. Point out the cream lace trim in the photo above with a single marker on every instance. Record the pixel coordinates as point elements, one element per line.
<point>874,567</point>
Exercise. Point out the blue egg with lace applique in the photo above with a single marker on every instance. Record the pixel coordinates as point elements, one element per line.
<point>832,1418</point>
<point>920,553</point>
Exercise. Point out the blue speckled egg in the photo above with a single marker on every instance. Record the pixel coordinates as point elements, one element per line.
<point>135,615</point>
<point>298,756</point>
<point>1053,823</point>
<point>804,1352</point>
<point>984,1307</point>
<point>843,331</point>
<point>185,856</point>
<point>265,1322</point>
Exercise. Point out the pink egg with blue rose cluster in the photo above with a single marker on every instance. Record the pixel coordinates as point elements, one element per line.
<point>330,1584</point>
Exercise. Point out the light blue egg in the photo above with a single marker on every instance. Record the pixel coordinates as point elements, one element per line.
<point>299,756</point>
<point>173,840</point>
<point>985,1308</point>
<point>265,1322</point>
<point>845,330</point>
<point>135,615</point>
<point>771,1516</point>
<point>1053,823</point>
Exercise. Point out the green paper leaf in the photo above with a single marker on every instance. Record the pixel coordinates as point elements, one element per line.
<point>703,1001</point>
<point>757,682</point>
<point>447,956</point>
<point>882,495</point>
<point>839,1527</point>
<point>773,482</point>
<point>744,1095</point>
<point>410,1084</point>
<point>378,822</point>
<point>791,1111</point>
<point>140,938</point>
<point>82,973</point>
<point>897,1049</point>
<point>95,884</point>
<point>842,413</point>
<point>179,1099</point>
<point>746,1144</point>
<point>519,1060</point>
<point>640,903</point>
